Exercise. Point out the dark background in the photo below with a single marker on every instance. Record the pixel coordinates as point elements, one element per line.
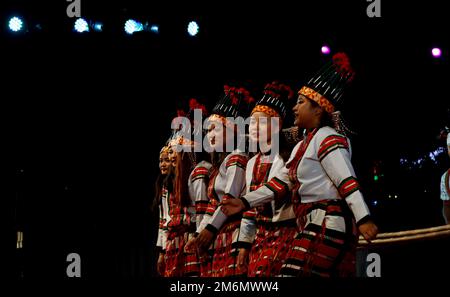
<point>84,115</point>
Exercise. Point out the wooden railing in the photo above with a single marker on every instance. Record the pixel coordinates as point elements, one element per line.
<point>391,238</point>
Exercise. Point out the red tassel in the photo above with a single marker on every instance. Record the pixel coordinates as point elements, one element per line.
<point>203,108</point>
<point>291,93</point>
<point>180,113</point>
<point>342,64</point>
<point>193,103</point>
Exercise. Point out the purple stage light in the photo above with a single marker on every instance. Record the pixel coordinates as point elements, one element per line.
<point>436,52</point>
<point>325,50</point>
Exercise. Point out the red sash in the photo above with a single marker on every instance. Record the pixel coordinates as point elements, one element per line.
<point>293,165</point>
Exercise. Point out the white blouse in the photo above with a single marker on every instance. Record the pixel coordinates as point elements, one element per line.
<point>229,182</point>
<point>198,191</point>
<point>164,219</point>
<point>325,173</point>
<point>280,213</point>
<point>197,185</point>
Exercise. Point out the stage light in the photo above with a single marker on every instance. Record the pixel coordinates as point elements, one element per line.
<point>81,25</point>
<point>430,156</point>
<point>15,24</point>
<point>325,50</point>
<point>132,26</point>
<point>375,203</point>
<point>193,28</point>
<point>436,52</point>
<point>154,29</point>
<point>97,26</point>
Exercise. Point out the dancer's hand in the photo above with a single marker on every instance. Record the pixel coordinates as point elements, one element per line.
<point>191,246</point>
<point>368,230</point>
<point>232,206</point>
<point>204,239</point>
<point>161,265</point>
<point>242,260</point>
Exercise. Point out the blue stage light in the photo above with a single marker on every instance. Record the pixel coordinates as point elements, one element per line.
<point>132,26</point>
<point>81,25</point>
<point>15,24</point>
<point>193,28</point>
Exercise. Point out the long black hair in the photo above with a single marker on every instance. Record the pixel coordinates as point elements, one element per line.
<point>163,180</point>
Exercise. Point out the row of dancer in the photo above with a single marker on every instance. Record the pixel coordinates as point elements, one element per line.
<point>294,211</point>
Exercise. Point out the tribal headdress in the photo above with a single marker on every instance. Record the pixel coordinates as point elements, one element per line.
<point>234,103</point>
<point>327,86</point>
<point>274,100</point>
<point>193,129</point>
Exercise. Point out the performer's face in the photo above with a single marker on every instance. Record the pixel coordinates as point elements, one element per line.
<point>172,156</point>
<point>260,128</point>
<point>306,114</point>
<point>216,135</point>
<point>164,163</point>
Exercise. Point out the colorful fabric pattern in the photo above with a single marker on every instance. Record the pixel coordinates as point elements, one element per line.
<point>326,244</point>
<point>178,263</point>
<point>270,249</point>
<point>225,254</point>
<point>266,109</point>
<point>330,144</point>
<point>278,187</point>
<point>348,186</point>
<point>237,160</point>
<point>317,97</point>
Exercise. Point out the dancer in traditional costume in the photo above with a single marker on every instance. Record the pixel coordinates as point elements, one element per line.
<point>217,234</point>
<point>267,231</point>
<point>162,196</point>
<point>178,207</point>
<point>327,200</point>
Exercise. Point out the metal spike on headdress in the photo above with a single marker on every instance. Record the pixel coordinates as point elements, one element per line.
<point>327,87</point>
<point>332,79</point>
<point>178,134</point>
<point>275,97</point>
<point>235,102</point>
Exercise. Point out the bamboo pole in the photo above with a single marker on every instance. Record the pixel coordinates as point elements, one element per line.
<point>407,236</point>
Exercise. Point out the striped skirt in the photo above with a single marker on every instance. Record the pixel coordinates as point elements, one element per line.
<point>270,249</point>
<point>326,244</point>
<point>206,263</point>
<point>179,263</point>
<point>224,252</point>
